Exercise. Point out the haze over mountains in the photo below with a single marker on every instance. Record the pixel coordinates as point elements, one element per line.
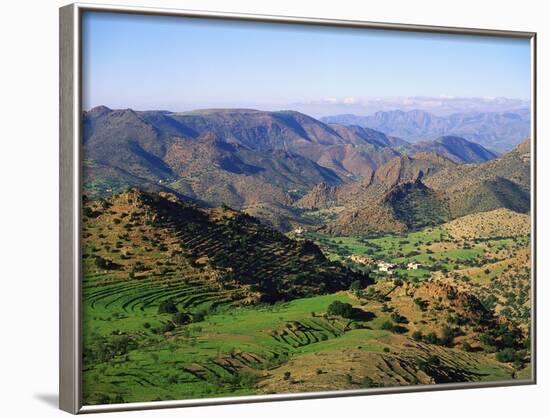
<point>499,131</point>
<point>288,169</point>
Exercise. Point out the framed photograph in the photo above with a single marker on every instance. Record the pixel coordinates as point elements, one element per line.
<point>258,208</point>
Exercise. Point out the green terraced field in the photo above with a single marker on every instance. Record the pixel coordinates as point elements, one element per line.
<point>205,358</point>
<point>226,354</point>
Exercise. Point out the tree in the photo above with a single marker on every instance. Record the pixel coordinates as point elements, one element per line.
<point>338,308</point>
<point>417,335</point>
<point>466,347</point>
<point>506,355</point>
<point>431,338</point>
<point>167,306</point>
<point>447,336</point>
<point>181,318</point>
<point>355,286</point>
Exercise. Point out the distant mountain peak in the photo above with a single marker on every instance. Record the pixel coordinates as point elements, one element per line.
<point>99,110</point>
<point>494,130</point>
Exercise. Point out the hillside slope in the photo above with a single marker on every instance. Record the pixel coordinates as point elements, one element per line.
<point>456,149</point>
<point>425,189</point>
<point>393,199</point>
<point>500,183</point>
<point>219,242</point>
<point>240,157</point>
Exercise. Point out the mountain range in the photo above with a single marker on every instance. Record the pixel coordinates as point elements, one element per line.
<point>237,251</point>
<point>281,167</point>
<point>425,189</point>
<point>499,131</point>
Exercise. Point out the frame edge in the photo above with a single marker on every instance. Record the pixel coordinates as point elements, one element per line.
<point>69,394</point>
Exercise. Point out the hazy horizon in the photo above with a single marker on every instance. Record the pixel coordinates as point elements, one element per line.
<point>435,106</point>
<point>181,64</point>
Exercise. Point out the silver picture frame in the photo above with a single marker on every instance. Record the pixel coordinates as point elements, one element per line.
<point>70,111</point>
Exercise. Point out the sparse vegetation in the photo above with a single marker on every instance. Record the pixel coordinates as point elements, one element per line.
<point>170,311</point>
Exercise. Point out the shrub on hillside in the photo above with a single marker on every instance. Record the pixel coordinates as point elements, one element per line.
<point>181,318</point>
<point>338,308</point>
<point>199,316</point>
<point>356,287</point>
<point>398,318</point>
<point>167,306</point>
<point>167,327</point>
<point>394,328</point>
<point>422,304</point>
<point>417,336</point>
<point>431,338</point>
<point>447,336</point>
<point>430,362</point>
<point>103,263</point>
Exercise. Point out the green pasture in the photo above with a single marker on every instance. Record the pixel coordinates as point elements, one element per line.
<point>159,365</point>
<point>432,247</point>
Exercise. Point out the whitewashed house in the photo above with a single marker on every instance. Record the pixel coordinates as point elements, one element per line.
<point>384,266</point>
<point>413,265</point>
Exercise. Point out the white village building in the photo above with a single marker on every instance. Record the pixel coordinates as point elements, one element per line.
<point>413,265</point>
<point>385,266</point>
<point>299,230</point>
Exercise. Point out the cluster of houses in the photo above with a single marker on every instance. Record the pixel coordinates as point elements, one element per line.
<point>387,267</point>
<point>382,266</point>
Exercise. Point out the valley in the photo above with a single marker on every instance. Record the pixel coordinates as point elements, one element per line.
<point>166,317</point>
<point>237,252</point>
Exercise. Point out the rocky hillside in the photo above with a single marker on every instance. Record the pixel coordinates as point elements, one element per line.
<point>281,166</point>
<point>500,183</point>
<point>411,192</point>
<point>242,158</point>
<point>127,232</point>
<point>392,199</point>
<point>499,222</point>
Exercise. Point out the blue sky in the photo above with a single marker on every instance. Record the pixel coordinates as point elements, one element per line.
<point>174,63</point>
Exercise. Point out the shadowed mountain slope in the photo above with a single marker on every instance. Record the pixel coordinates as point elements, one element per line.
<point>456,149</point>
